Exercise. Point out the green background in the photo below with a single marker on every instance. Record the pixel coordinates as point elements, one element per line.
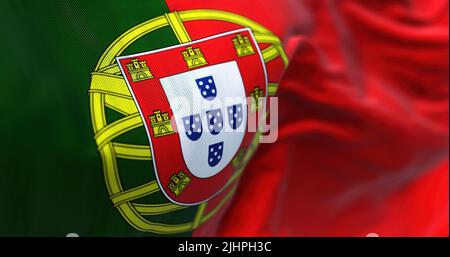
<point>51,177</point>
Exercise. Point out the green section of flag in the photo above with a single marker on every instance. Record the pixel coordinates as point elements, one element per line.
<point>51,177</point>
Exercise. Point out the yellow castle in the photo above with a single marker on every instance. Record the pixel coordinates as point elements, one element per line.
<point>256,94</point>
<point>242,45</point>
<point>193,57</point>
<point>139,70</point>
<point>160,123</point>
<point>178,182</point>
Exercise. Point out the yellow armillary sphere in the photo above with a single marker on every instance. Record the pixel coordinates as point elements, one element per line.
<point>108,89</point>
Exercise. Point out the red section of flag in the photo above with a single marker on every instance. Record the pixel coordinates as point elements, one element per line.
<point>363,144</point>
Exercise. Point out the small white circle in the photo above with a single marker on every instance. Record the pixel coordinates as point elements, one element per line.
<point>220,125</point>
<point>72,235</point>
<point>204,92</point>
<point>220,147</point>
<point>210,160</point>
<point>196,119</point>
<point>235,115</point>
<point>239,109</point>
<point>232,121</point>
<point>215,153</point>
<point>186,121</point>
<point>211,150</point>
<point>199,130</point>
<point>211,127</point>
<point>230,111</point>
<point>209,80</point>
<point>213,91</point>
<point>209,116</point>
<point>214,120</point>
<point>200,83</point>
<point>239,119</point>
<point>218,114</point>
<point>218,157</point>
<point>207,86</point>
<point>189,132</point>
<point>193,126</point>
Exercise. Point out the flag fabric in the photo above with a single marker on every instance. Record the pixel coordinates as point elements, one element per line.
<point>363,142</point>
<point>92,145</point>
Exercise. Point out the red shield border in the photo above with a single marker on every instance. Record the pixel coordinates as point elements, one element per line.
<point>149,96</point>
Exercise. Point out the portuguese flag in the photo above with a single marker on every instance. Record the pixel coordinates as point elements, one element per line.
<point>95,145</point>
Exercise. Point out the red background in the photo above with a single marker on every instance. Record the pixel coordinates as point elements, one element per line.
<point>363,139</point>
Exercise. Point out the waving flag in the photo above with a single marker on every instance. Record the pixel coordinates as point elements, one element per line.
<point>135,118</point>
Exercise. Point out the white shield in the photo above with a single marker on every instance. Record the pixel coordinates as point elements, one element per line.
<point>221,106</point>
